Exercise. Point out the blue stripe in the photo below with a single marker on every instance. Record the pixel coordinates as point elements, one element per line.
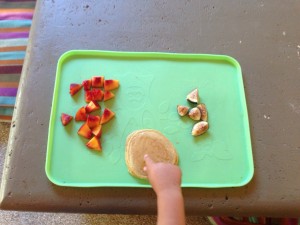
<point>14,42</point>
<point>14,23</point>
<point>12,55</point>
<point>6,111</point>
<point>7,100</point>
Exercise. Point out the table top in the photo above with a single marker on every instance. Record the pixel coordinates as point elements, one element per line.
<point>263,36</point>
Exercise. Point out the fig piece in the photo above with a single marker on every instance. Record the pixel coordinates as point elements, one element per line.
<point>94,144</point>
<point>182,110</point>
<point>195,113</point>
<point>203,110</point>
<point>200,128</point>
<point>66,119</point>
<point>193,96</point>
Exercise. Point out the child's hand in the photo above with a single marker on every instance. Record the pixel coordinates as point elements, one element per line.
<point>166,182</point>
<point>164,177</point>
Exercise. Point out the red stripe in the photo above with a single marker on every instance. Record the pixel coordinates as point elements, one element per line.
<point>10,69</point>
<point>5,118</point>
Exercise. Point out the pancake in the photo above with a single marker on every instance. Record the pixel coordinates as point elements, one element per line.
<point>152,143</point>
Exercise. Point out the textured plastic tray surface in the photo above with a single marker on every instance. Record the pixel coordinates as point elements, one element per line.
<point>151,86</point>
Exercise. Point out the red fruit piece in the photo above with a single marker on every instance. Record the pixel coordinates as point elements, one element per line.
<point>94,144</point>
<point>89,96</point>
<point>106,116</point>
<point>98,81</point>
<point>85,131</point>
<point>65,119</point>
<point>93,95</point>
<point>93,121</point>
<point>97,131</point>
<point>81,114</point>
<point>110,84</point>
<point>108,95</point>
<point>74,88</point>
<point>92,106</point>
<point>87,84</point>
<point>97,94</point>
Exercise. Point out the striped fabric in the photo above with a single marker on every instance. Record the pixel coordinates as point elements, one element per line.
<point>15,22</point>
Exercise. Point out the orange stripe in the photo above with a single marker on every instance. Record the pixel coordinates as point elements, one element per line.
<point>14,29</point>
<point>16,10</point>
<point>12,62</point>
<point>13,48</point>
<point>6,118</point>
<point>9,84</point>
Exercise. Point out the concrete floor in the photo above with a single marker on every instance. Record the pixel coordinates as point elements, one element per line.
<point>30,218</point>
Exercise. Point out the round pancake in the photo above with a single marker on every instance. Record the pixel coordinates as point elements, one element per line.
<point>152,143</point>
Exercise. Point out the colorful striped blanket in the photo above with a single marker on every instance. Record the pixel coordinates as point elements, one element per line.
<point>15,22</point>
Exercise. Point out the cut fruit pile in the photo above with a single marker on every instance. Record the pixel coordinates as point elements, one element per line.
<point>96,89</point>
<point>197,113</point>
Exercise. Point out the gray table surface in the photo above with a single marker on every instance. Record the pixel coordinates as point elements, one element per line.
<point>264,36</point>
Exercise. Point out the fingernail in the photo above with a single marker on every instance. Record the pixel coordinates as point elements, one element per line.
<point>145,156</point>
<point>145,168</point>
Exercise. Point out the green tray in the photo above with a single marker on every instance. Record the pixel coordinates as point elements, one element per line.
<point>151,86</point>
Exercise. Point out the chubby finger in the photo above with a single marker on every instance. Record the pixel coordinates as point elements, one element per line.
<point>145,168</point>
<point>148,160</point>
